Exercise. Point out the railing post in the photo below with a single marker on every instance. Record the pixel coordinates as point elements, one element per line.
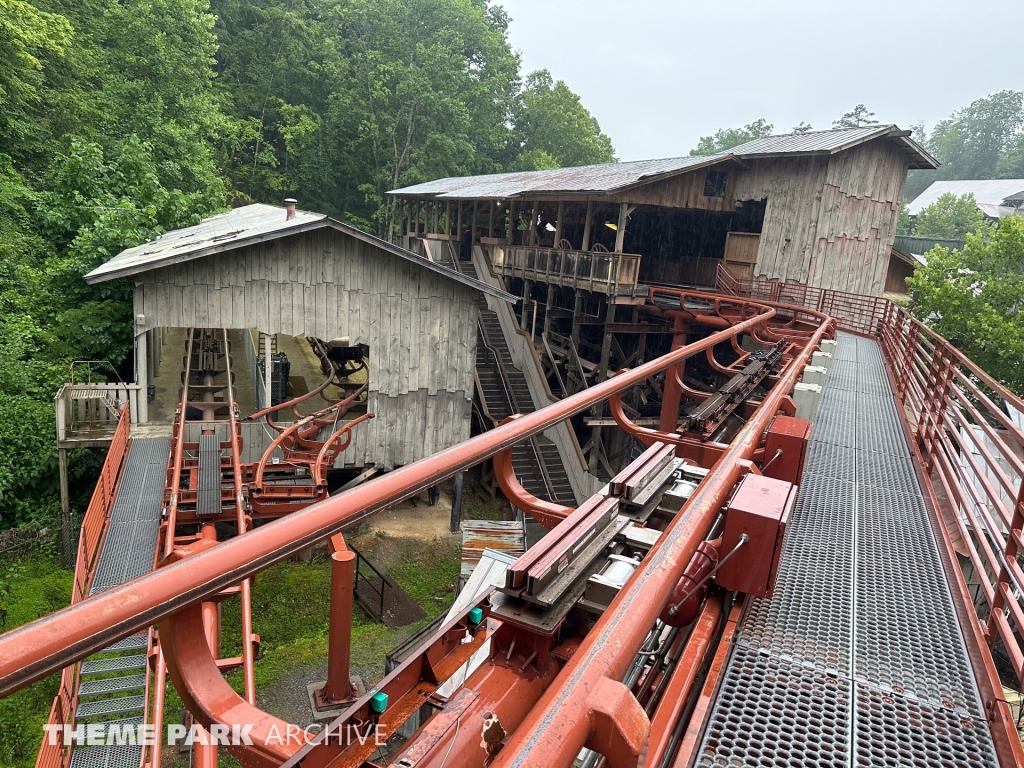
<point>339,689</point>
<point>1010,553</point>
<point>937,388</point>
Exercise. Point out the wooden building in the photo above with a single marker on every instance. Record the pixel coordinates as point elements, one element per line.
<point>818,208</point>
<point>258,267</point>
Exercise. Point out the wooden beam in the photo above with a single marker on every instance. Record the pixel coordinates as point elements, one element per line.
<point>587,226</point>
<point>511,234</point>
<point>474,226</point>
<point>533,223</point>
<point>620,233</point>
<point>492,208</point>
<point>458,228</point>
<point>558,223</point>
<point>447,217</point>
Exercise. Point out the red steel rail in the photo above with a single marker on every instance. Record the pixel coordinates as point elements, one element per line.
<point>48,644</point>
<point>970,438</point>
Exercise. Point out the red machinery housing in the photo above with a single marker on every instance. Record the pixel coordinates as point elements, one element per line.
<point>758,509</point>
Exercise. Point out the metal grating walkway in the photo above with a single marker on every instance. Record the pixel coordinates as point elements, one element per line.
<point>128,552</point>
<point>130,545</point>
<point>858,659</point>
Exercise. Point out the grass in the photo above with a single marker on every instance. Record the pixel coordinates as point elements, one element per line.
<point>291,603</point>
<point>30,587</point>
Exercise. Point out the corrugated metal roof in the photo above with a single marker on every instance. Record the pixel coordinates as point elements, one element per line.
<point>607,177</point>
<point>832,141</point>
<point>612,177</point>
<point>245,226</point>
<point>987,192</point>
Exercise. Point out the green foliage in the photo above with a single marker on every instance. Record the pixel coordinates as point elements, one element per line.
<point>556,129</point>
<point>726,138</point>
<point>857,117</point>
<point>29,588</point>
<point>904,223</point>
<point>974,299</point>
<point>803,127</point>
<point>984,140</point>
<point>950,217</point>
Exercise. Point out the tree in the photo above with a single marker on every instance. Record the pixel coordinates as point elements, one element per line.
<point>556,128</point>
<point>804,127</point>
<point>726,138</point>
<point>984,140</point>
<point>973,298</point>
<point>950,217</point>
<point>857,117</point>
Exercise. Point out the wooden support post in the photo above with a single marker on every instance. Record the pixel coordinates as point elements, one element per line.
<point>574,334</point>
<point>458,228</point>
<point>448,218</point>
<point>511,222</point>
<point>558,222</point>
<point>434,230</point>
<point>473,226</point>
<point>602,372</point>
<point>620,233</point>
<point>268,368</point>
<point>456,518</point>
<point>587,226</point>
<point>142,369</point>
<point>491,210</point>
<point>526,300</point>
<point>547,311</point>
<point>67,539</point>
<point>533,223</point>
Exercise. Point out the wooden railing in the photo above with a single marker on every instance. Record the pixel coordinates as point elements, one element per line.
<point>852,311</point>
<point>970,434</point>
<point>609,273</point>
<point>90,542</point>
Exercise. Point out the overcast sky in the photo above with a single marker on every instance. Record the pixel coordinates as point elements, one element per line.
<point>658,74</point>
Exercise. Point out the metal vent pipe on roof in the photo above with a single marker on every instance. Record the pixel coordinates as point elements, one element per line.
<point>289,206</point>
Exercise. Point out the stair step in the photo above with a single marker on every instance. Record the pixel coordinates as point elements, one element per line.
<point>116,706</point>
<point>130,643</point>
<point>112,685</point>
<point>114,664</point>
<point>119,756</point>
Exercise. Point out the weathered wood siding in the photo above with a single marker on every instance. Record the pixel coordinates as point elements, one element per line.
<point>685,190</point>
<point>420,327</point>
<point>830,220</point>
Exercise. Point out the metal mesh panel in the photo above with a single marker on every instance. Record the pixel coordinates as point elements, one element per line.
<point>769,712</point>
<point>115,664</point>
<point>130,544</point>
<point>208,501</point>
<point>860,602</point>
<point>908,638</point>
<point>112,685</point>
<point>130,643</point>
<point>808,619</point>
<point>90,709</point>
<point>894,730</point>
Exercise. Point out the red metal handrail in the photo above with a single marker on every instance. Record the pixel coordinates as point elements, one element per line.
<point>971,443</point>
<point>90,543</point>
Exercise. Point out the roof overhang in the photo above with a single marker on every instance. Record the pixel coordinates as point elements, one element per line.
<point>100,275</point>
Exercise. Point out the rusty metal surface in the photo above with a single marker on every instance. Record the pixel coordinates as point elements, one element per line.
<point>505,536</point>
<point>610,177</point>
<point>833,141</point>
<point>248,225</point>
<point>607,177</point>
